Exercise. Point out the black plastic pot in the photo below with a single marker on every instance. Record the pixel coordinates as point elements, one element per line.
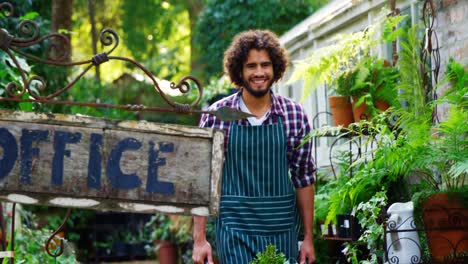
<point>348,226</point>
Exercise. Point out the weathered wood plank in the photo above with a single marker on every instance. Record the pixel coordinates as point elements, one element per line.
<point>78,161</point>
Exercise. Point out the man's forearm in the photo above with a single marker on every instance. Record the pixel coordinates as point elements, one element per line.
<point>199,228</point>
<point>305,199</point>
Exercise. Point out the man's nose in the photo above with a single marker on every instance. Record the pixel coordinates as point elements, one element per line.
<point>259,71</point>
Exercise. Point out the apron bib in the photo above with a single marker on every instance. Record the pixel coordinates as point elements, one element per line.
<point>258,202</point>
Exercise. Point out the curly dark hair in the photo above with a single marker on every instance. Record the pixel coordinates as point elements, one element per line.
<point>236,55</point>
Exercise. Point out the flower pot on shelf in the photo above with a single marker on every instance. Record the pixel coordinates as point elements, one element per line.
<point>446,224</point>
<point>381,105</point>
<point>360,112</point>
<point>167,252</point>
<point>348,226</point>
<point>342,111</point>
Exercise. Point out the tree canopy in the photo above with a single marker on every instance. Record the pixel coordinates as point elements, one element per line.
<point>220,21</point>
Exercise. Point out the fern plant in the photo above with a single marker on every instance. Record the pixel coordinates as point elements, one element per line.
<point>327,63</point>
<point>373,79</point>
<point>437,152</point>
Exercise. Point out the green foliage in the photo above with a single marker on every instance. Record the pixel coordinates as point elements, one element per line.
<point>8,70</point>
<point>447,152</point>
<point>158,38</point>
<point>269,256</point>
<point>224,19</point>
<point>408,148</point>
<point>55,76</point>
<point>88,90</point>
<point>327,63</point>
<point>438,153</point>
<point>458,79</point>
<point>215,87</point>
<point>161,227</point>
<point>322,197</point>
<point>411,88</point>
<point>370,172</point>
<point>10,73</point>
<point>371,80</point>
<point>173,229</point>
<point>372,237</point>
<point>29,248</point>
<point>153,32</point>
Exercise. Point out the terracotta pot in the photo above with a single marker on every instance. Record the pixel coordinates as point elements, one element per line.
<point>381,105</point>
<point>342,111</point>
<point>359,113</point>
<point>446,224</point>
<point>167,252</point>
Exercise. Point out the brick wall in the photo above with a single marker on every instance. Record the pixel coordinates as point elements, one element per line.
<point>452,31</point>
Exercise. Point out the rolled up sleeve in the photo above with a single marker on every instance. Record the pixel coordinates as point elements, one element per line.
<point>301,163</point>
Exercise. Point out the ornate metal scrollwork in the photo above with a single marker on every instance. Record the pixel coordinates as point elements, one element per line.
<point>56,55</point>
<point>430,54</point>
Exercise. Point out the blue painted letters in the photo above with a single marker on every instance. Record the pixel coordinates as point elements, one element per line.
<point>10,152</point>
<point>27,151</point>
<point>61,138</point>
<point>117,178</point>
<point>152,184</point>
<point>94,163</point>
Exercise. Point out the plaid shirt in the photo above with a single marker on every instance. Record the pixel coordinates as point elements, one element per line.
<point>301,163</point>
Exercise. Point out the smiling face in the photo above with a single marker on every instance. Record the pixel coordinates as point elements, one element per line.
<point>257,73</point>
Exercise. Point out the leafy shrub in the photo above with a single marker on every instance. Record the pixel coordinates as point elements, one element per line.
<point>270,256</point>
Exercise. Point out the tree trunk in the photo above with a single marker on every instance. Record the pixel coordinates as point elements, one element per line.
<point>62,19</point>
<point>194,8</point>
<point>92,18</point>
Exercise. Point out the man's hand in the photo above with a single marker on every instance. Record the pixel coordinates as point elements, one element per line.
<point>307,252</point>
<point>201,251</point>
<point>201,247</point>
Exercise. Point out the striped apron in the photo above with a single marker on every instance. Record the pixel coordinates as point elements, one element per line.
<point>258,202</point>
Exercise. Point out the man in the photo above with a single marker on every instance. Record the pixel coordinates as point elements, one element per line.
<point>259,200</point>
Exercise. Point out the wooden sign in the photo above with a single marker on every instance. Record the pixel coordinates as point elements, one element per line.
<point>133,166</point>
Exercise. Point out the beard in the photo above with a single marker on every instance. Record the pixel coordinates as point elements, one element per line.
<point>257,93</point>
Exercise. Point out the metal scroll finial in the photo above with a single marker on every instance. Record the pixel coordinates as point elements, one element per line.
<point>51,239</point>
<point>6,9</point>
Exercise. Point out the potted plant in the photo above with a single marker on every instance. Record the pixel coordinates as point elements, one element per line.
<point>169,234</point>
<point>163,238</point>
<point>372,87</point>
<point>332,64</point>
<point>434,153</point>
<point>444,164</point>
<point>340,103</point>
